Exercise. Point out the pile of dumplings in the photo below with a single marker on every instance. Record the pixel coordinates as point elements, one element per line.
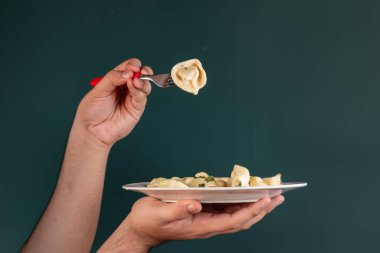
<point>240,177</point>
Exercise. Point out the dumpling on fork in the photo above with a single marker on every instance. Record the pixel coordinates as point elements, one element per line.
<point>189,76</point>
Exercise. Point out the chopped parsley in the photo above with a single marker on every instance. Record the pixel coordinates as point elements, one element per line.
<point>209,179</point>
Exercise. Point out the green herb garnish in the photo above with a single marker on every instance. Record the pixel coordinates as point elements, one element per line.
<point>209,179</point>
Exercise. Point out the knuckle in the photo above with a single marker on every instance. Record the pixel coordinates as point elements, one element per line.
<point>245,227</point>
<point>149,89</point>
<point>258,212</point>
<point>261,215</point>
<point>254,214</point>
<point>135,62</point>
<point>149,70</point>
<point>112,74</point>
<point>237,227</point>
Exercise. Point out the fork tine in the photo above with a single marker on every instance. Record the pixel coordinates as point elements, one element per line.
<point>170,82</point>
<point>162,80</point>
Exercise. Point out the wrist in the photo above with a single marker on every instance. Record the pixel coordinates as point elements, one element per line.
<point>139,236</point>
<point>136,243</point>
<point>125,239</point>
<point>81,133</point>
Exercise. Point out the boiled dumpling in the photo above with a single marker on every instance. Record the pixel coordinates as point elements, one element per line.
<point>220,183</point>
<point>189,76</point>
<point>197,182</point>
<point>256,181</point>
<point>163,182</point>
<point>157,180</point>
<point>276,180</point>
<point>177,179</point>
<point>211,183</point>
<point>187,180</point>
<point>201,174</point>
<point>239,177</point>
<point>224,179</point>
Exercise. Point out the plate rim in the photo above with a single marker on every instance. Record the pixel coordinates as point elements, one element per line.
<point>285,185</point>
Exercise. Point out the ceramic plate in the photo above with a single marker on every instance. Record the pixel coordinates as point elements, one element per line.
<point>214,194</point>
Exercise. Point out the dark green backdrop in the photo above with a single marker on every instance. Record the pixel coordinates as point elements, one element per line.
<point>293,87</point>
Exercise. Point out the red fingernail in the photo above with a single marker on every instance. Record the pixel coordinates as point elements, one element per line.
<point>95,81</point>
<point>136,75</point>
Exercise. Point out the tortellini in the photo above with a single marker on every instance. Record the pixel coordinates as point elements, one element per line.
<point>189,76</point>
<point>256,181</point>
<point>201,174</point>
<point>276,180</point>
<point>167,183</point>
<point>240,177</point>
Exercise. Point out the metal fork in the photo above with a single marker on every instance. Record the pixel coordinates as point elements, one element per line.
<point>161,80</point>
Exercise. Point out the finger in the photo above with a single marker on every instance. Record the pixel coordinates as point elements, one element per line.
<point>235,221</point>
<point>143,86</point>
<point>146,70</point>
<point>208,235</point>
<point>255,208</point>
<point>136,96</point>
<point>133,68</point>
<point>111,81</point>
<point>255,211</point>
<point>273,204</point>
<point>133,63</point>
<point>245,226</point>
<point>180,210</point>
<point>276,201</point>
<point>254,220</point>
<point>224,208</point>
<point>231,208</point>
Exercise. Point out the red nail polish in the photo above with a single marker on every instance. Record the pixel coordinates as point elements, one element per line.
<point>95,81</point>
<point>136,75</point>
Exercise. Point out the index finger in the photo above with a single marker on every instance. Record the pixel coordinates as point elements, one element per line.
<point>132,64</point>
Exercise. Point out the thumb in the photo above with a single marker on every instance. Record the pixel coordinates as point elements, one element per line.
<point>112,80</point>
<point>183,209</point>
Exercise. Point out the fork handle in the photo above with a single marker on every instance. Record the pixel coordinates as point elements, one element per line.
<point>96,80</point>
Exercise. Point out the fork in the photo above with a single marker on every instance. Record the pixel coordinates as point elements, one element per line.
<point>161,80</point>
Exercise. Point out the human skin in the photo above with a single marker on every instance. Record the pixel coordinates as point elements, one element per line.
<point>152,222</point>
<point>105,115</point>
<point>108,113</point>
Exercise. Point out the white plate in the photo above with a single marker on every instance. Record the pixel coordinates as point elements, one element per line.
<point>214,194</point>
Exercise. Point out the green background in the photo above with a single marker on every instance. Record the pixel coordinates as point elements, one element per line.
<point>293,87</point>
